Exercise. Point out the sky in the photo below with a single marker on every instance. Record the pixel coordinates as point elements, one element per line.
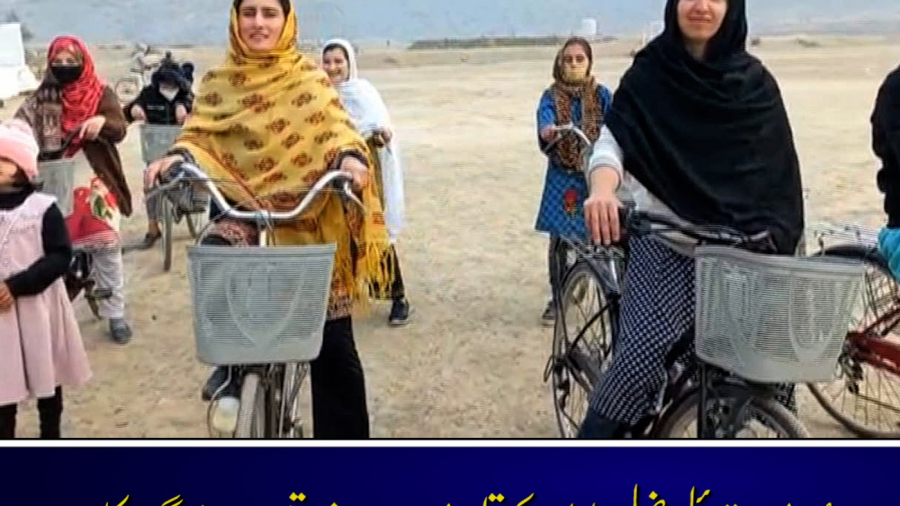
<point>203,21</point>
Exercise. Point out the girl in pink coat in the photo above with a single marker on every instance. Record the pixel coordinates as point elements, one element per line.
<point>40,345</point>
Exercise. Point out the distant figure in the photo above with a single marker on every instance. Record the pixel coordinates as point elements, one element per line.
<point>370,115</point>
<point>167,100</point>
<point>574,97</point>
<point>139,60</point>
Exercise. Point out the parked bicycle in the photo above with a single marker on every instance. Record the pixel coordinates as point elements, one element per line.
<point>129,87</point>
<point>864,396</point>
<point>258,311</point>
<point>188,203</point>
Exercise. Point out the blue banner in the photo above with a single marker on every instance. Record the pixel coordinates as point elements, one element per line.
<point>374,476</point>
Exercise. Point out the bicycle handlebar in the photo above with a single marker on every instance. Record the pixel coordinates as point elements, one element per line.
<point>186,172</point>
<point>643,223</point>
<point>568,128</point>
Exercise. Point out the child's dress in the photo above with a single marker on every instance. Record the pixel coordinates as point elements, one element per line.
<point>40,343</point>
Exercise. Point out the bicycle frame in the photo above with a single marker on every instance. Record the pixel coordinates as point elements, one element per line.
<point>870,346</point>
<point>609,276</point>
<point>682,386</point>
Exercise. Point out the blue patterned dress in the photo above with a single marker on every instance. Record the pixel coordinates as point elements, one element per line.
<point>562,205</point>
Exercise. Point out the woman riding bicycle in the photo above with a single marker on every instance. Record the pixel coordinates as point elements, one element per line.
<point>574,97</point>
<point>269,124</point>
<point>698,131</point>
<point>73,100</point>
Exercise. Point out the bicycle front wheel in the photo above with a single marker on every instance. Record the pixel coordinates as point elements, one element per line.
<point>582,345</point>
<point>251,423</point>
<point>290,412</point>
<point>764,417</point>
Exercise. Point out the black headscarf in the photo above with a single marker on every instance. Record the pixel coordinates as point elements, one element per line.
<point>171,71</point>
<point>711,139</point>
<point>886,144</point>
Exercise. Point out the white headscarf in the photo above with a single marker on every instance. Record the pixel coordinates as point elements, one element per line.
<point>368,112</point>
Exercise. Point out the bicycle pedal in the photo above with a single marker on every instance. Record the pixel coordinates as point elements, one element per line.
<point>101,293</point>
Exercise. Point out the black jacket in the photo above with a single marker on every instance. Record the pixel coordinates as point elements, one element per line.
<point>158,110</point>
<point>886,144</point>
<point>57,250</point>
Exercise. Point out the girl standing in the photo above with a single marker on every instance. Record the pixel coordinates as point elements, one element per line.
<point>73,99</point>
<point>40,344</point>
<point>574,97</point>
<point>369,114</point>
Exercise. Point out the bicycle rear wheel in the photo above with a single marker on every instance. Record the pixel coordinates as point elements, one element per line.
<point>251,423</point>
<point>863,398</point>
<point>576,363</point>
<point>763,415</point>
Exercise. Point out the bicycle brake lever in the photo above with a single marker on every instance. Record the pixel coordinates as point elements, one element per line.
<point>348,192</point>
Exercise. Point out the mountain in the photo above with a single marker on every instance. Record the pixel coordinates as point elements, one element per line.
<point>204,21</point>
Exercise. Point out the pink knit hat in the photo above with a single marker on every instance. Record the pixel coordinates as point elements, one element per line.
<point>17,145</point>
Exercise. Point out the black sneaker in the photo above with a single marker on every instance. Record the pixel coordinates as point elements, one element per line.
<point>121,332</point>
<point>400,313</point>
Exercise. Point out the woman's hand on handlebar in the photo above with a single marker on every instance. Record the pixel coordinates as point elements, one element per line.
<point>357,170</point>
<point>601,209</point>
<point>158,168</point>
<point>548,133</point>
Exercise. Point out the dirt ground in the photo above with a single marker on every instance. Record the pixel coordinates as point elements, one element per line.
<point>471,363</point>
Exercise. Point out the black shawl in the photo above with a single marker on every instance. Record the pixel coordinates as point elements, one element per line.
<point>886,144</point>
<point>711,138</point>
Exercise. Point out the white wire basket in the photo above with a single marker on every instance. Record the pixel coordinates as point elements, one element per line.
<point>259,305</point>
<point>156,140</point>
<point>774,319</point>
<point>58,177</point>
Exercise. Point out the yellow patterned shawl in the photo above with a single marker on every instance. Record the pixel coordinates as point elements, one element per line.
<point>272,123</point>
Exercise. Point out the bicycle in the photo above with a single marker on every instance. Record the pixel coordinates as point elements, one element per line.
<point>259,312</point>
<point>172,206</point>
<point>758,324</point>
<point>584,280</point>
<point>129,87</point>
<point>56,176</point>
<point>870,358</point>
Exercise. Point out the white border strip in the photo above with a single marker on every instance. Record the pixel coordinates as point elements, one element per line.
<point>445,443</point>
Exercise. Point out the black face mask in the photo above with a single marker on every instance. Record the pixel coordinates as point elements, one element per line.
<point>66,74</point>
